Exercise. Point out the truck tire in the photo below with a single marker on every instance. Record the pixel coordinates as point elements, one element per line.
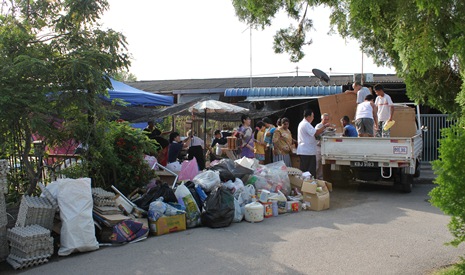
<point>406,181</point>
<point>417,169</point>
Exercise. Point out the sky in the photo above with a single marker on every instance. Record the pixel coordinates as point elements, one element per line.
<point>185,39</point>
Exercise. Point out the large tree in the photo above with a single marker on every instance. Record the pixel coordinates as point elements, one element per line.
<point>423,40</point>
<point>53,60</point>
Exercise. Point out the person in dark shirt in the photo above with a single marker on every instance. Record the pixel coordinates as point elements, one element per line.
<point>218,139</point>
<point>176,145</point>
<point>348,129</point>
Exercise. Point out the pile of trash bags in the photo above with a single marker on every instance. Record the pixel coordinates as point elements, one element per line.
<point>216,197</point>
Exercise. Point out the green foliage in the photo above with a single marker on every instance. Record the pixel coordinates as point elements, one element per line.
<point>423,40</point>
<point>449,194</point>
<point>122,163</point>
<point>53,58</point>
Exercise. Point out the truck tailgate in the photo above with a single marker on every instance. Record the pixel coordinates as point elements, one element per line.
<point>367,149</point>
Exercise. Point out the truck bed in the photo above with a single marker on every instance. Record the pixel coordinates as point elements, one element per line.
<point>374,152</point>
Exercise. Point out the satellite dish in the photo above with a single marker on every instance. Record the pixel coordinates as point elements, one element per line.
<point>321,75</point>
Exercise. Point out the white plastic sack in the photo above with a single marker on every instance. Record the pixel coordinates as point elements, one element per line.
<point>208,180</point>
<point>174,166</point>
<point>238,211</point>
<point>75,203</point>
<point>192,210</point>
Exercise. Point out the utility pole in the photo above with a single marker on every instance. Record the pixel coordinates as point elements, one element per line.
<point>297,70</point>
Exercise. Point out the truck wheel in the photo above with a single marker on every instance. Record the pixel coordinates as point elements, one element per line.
<point>406,181</point>
<point>417,169</point>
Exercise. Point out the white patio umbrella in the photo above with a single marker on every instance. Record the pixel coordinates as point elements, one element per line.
<point>211,106</point>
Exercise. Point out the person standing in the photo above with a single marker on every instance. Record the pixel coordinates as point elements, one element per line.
<point>328,131</point>
<point>385,108</point>
<point>246,135</point>
<point>306,142</point>
<point>282,143</point>
<point>174,150</point>
<point>270,128</point>
<point>360,91</point>
<point>365,117</point>
<point>260,145</point>
<point>348,130</point>
<point>195,150</point>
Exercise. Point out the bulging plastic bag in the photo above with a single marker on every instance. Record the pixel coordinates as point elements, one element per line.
<point>219,208</point>
<point>157,209</point>
<point>192,210</point>
<point>208,180</point>
<point>189,169</point>
<point>276,177</point>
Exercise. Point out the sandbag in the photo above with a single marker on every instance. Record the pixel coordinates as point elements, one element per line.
<point>219,208</point>
<point>77,233</point>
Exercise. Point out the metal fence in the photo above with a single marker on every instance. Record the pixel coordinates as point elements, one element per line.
<point>435,123</point>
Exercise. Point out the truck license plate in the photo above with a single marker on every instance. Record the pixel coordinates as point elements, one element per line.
<point>363,164</point>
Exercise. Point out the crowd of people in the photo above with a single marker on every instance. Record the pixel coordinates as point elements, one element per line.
<point>268,142</point>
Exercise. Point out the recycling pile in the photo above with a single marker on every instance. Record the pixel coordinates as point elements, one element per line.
<point>36,210</point>
<point>30,245</point>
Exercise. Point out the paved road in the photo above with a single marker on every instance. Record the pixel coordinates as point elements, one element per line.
<point>366,231</point>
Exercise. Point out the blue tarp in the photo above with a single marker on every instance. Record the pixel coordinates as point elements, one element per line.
<point>136,97</point>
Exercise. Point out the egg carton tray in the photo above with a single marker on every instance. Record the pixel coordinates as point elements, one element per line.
<point>104,202</point>
<point>35,210</point>
<point>294,171</point>
<point>20,263</point>
<point>38,253</point>
<point>3,215</point>
<point>45,193</point>
<point>24,235</point>
<point>4,248</point>
<point>100,193</point>
<point>33,245</point>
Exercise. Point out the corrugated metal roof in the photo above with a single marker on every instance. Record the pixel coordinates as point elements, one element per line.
<point>215,84</point>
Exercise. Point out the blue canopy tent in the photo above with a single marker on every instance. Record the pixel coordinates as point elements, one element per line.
<point>136,97</point>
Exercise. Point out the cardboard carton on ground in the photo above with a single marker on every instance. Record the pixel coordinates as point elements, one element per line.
<point>318,200</point>
<point>168,224</point>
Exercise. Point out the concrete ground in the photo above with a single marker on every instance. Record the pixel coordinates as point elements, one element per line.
<point>375,230</point>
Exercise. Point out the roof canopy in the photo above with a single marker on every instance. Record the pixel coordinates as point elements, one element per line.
<point>136,97</point>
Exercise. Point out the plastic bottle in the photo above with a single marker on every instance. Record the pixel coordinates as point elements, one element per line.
<point>274,207</point>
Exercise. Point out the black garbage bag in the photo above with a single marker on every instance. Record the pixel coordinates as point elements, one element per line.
<point>160,190</point>
<point>225,174</point>
<point>219,208</point>
<point>237,170</point>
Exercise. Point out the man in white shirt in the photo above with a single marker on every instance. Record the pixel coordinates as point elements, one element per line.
<point>306,142</point>
<point>385,112</point>
<point>360,91</point>
<point>196,146</point>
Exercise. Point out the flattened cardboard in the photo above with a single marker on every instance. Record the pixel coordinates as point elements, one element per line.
<point>337,106</point>
<point>405,125</point>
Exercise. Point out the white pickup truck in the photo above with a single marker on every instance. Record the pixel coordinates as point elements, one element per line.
<point>371,159</point>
